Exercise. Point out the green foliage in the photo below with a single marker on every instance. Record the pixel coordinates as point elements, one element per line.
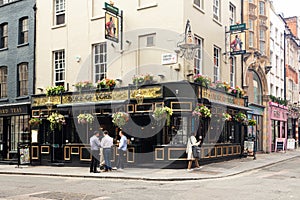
<point>55,90</point>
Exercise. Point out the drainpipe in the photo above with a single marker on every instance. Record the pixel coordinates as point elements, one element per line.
<point>34,50</point>
<point>242,57</point>
<point>284,64</point>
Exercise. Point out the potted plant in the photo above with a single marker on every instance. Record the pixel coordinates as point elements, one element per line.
<point>34,122</point>
<point>201,111</point>
<point>142,79</point>
<point>163,113</point>
<point>56,120</point>
<point>242,118</point>
<point>203,80</point>
<point>226,117</point>
<point>106,83</point>
<point>120,118</point>
<point>84,85</point>
<point>85,118</point>
<point>55,90</point>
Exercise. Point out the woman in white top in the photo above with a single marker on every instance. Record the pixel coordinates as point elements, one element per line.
<point>192,141</point>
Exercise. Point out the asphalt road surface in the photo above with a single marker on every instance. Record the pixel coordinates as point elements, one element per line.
<point>280,181</point>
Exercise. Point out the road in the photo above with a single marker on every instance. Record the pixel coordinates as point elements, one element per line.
<point>280,181</point>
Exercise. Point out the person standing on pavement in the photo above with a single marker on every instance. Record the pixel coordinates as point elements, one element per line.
<point>95,145</point>
<point>106,144</point>
<point>122,151</point>
<point>192,141</point>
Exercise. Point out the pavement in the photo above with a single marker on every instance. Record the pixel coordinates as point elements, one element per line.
<point>209,171</point>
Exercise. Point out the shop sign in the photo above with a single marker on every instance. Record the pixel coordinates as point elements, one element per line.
<point>168,58</point>
<point>238,27</point>
<point>290,143</point>
<point>13,110</point>
<point>221,97</point>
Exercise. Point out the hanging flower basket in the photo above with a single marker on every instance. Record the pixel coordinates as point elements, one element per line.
<point>120,118</point>
<point>34,122</point>
<point>161,113</point>
<point>55,90</point>
<point>106,84</point>
<point>203,80</point>
<point>201,111</point>
<point>56,121</point>
<point>85,118</point>
<point>251,122</point>
<point>226,117</point>
<point>242,118</point>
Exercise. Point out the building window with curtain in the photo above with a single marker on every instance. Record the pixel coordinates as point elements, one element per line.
<point>100,61</point>
<point>198,60</point>
<point>3,35</point>
<point>216,10</point>
<point>59,67</point>
<point>23,30</point>
<point>59,9</point>
<point>216,63</point>
<point>232,62</point>
<point>23,79</point>
<point>3,82</point>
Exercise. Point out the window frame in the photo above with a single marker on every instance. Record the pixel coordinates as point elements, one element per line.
<point>4,35</point>
<point>198,59</point>
<point>232,17</point>
<point>217,62</point>
<point>216,10</point>
<point>199,5</point>
<point>59,11</point>
<point>3,81</point>
<point>22,79</point>
<point>23,30</point>
<point>262,8</point>
<point>101,72</point>
<point>59,77</point>
<point>232,62</point>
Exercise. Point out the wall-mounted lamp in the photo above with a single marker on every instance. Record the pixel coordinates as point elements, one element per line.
<point>161,76</point>
<point>40,89</point>
<point>119,80</point>
<point>112,44</point>
<point>190,74</point>
<point>267,69</point>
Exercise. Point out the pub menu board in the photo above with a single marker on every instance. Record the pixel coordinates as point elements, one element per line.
<point>279,144</point>
<point>24,154</point>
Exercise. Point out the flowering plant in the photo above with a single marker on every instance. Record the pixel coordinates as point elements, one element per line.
<point>85,118</point>
<point>84,85</point>
<point>203,80</point>
<point>120,118</point>
<point>106,83</point>
<point>142,79</point>
<point>237,91</point>
<point>201,111</point>
<point>222,85</point>
<point>251,122</point>
<point>242,118</point>
<point>56,120</point>
<point>35,121</point>
<point>163,112</point>
<point>55,90</point>
<point>227,116</point>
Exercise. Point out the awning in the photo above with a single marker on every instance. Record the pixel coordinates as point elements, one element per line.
<point>87,104</point>
<point>230,105</point>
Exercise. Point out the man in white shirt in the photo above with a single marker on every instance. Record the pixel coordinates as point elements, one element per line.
<point>106,144</point>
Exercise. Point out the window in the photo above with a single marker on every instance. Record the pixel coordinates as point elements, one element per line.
<point>147,40</point>
<point>199,3</point>
<point>262,41</point>
<point>216,64</point>
<point>232,17</point>
<point>251,33</point>
<point>262,8</point>
<point>3,35</point>
<point>276,65</point>
<point>19,131</point>
<point>216,10</point>
<point>257,87</point>
<point>232,61</point>
<point>5,1</point>
<point>100,61</point>
<point>23,30</point>
<point>3,82</point>
<point>272,89</point>
<point>23,79</point>
<point>198,56</point>
<point>59,12</point>
<point>59,67</point>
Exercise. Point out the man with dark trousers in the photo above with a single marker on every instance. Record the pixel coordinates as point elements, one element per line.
<point>95,145</point>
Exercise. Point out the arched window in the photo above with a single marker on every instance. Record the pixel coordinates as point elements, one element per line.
<point>257,89</point>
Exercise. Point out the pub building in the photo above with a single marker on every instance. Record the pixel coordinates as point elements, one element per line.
<point>151,143</point>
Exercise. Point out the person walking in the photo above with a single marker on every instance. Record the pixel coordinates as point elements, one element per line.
<point>192,141</point>
<point>95,145</point>
<point>106,144</point>
<point>121,151</point>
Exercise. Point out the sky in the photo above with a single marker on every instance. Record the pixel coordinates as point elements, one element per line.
<point>289,8</point>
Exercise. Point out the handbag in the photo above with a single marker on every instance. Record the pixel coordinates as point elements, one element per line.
<point>196,151</point>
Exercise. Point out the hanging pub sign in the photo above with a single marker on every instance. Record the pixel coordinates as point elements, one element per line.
<point>237,43</point>
<point>237,39</point>
<point>111,22</point>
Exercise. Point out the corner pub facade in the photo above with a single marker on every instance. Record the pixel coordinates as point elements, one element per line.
<point>150,143</point>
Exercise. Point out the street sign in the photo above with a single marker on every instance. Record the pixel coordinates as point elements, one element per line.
<point>111,8</point>
<point>168,58</point>
<point>238,27</point>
